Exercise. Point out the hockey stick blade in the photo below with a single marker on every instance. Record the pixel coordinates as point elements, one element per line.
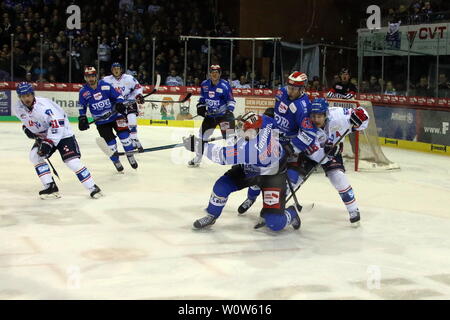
<point>106,150</point>
<point>156,87</point>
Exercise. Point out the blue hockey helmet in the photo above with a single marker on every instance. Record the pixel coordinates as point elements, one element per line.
<point>319,105</point>
<point>24,88</point>
<point>116,65</point>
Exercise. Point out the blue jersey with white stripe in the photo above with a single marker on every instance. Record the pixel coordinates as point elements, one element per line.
<point>217,98</point>
<point>292,117</point>
<point>100,101</point>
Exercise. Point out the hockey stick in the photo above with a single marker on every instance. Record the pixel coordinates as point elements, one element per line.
<point>106,150</point>
<point>53,168</point>
<point>186,98</point>
<point>317,164</point>
<point>156,87</point>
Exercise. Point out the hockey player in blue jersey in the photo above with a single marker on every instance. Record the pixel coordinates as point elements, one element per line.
<point>297,133</point>
<point>258,159</point>
<point>216,105</point>
<point>106,106</point>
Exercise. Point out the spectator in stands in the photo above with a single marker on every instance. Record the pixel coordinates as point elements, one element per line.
<point>262,84</point>
<point>336,79</point>
<point>173,79</point>
<point>374,86</point>
<point>390,90</point>
<point>443,86</point>
<point>416,17</point>
<point>426,9</point>
<point>104,54</point>
<point>316,85</point>
<point>364,87</point>
<point>243,83</point>
<point>423,89</point>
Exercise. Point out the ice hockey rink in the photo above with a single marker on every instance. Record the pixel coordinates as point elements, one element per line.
<point>137,241</point>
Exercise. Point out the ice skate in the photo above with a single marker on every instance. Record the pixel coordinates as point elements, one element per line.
<point>296,222</point>
<point>118,165</point>
<point>204,222</point>
<point>246,205</point>
<point>193,163</point>
<point>132,160</point>
<point>51,192</point>
<point>96,192</point>
<point>355,218</point>
<point>137,145</point>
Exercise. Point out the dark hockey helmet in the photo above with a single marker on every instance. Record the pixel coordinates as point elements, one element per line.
<point>24,88</point>
<point>319,105</point>
<point>116,65</point>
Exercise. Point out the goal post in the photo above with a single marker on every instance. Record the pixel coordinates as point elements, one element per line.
<point>363,147</point>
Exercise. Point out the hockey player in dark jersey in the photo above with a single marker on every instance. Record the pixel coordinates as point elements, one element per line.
<point>343,89</point>
<point>297,133</point>
<point>216,105</point>
<point>258,159</point>
<point>106,106</point>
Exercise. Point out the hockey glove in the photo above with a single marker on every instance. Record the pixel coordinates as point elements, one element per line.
<point>120,108</point>
<point>201,109</point>
<point>358,117</point>
<point>330,151</point>
<point>83,123</point>
<point>191,143</point>
<point>140,99</point>
<point>28,132</point>
<point>289,149</point>
<point>45,148</point>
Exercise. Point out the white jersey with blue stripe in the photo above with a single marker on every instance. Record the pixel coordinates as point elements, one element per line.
<point>126,85</point>
<point>46,119</point>
<point>337,123</point>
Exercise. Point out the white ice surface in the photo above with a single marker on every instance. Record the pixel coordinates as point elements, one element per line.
<point>137,241</point>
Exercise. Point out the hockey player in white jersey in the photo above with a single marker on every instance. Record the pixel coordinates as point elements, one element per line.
<point>46,122</point>
<point>332,123</point>
<point>130,89</point>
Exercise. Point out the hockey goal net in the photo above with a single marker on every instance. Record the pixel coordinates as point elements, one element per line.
<point>363,147</point>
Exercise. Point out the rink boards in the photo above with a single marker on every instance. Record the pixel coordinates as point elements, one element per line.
<point>398,127</point>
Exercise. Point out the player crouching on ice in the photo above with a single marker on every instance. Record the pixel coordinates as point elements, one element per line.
<point>258,159</point>
<point>332,124</point>
<point>47,123</point>
<point>107,108</point>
